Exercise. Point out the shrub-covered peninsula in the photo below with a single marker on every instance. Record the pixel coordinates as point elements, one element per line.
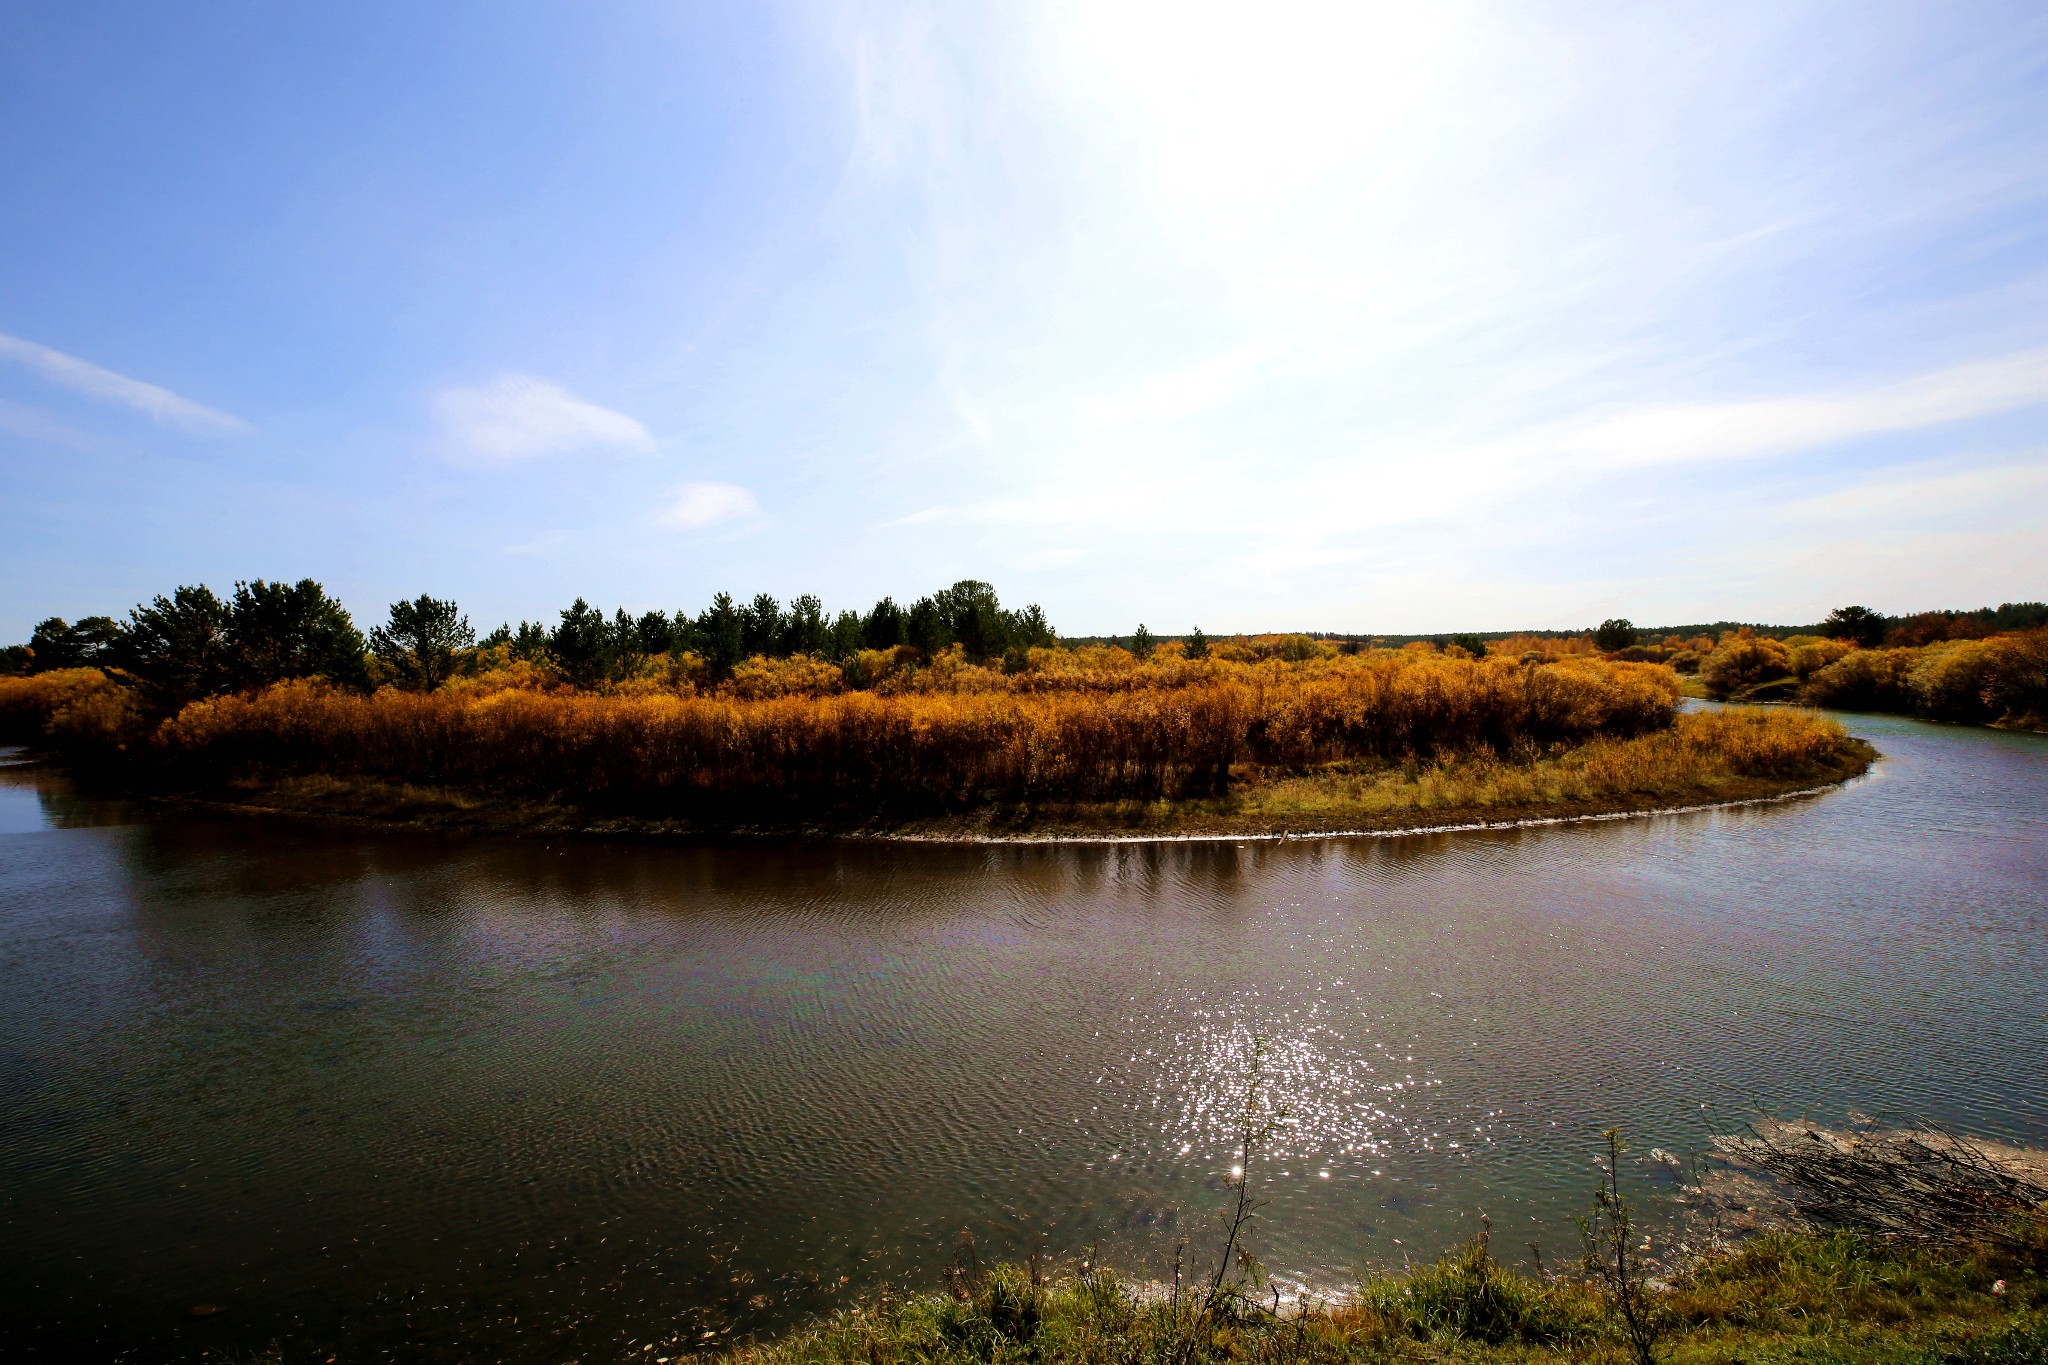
<point>952,717</point>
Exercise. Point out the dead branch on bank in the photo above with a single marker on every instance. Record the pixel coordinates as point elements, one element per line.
<point>1923,1184</point>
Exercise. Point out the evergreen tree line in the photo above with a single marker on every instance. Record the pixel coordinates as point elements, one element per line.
<point>589,647</point>
<point>195,643</point>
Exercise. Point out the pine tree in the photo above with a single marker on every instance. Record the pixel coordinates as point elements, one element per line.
<point>420,641</point>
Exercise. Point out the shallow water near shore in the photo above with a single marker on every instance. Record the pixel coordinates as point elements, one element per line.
<point>412,1097</point>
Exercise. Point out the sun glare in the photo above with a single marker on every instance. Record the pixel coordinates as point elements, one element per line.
<point>1235,107</point>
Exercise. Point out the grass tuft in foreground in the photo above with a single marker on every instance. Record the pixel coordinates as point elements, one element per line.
<point>1785,1297</point>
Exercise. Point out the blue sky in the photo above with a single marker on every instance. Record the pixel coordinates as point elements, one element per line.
<point>1337,316</point>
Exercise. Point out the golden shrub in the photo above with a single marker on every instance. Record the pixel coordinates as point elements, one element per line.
<point>2002,678</point>
<point>2016,682</point>
<point>881,668</point>
<point>499,673</point>
<point>1122,728</point>
<point>799,675</point>
<point>1952,679</point>
<point>1544,646</point>
<point>1287,648</point>
<point>1758,741</point>
<point>1865,680</point>
<point>1742,660</point>
<point>99,718</point>
<point>28,702</point>
<point>918,748</point>
<point>1806,655</point>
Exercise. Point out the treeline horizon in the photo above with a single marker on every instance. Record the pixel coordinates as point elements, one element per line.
<point>1903,630</point>
<point>195,642</point>
<point>951,704</point>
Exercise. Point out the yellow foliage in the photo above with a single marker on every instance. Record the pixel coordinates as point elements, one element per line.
<point>1757,741</point>
<point>1121,728</point>
<point>1806,655</point>
<point>1288,648</point>
<point>502,672</point>
<point>1865,679</point>
<point>1543,646</point>
<point>1706,755</point>
<point>2003,678</point>
<point>102,718</point>
<point>1951,678</point>
<point>2016,682</point>
<point>1742,660</point>
<point>799,675</point>
<point>29,704</point>
<point>878,668</point>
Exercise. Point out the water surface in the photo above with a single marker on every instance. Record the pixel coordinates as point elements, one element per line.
<point>381,1095</point>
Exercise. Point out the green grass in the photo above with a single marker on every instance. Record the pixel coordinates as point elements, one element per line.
<point>1808,1298</point>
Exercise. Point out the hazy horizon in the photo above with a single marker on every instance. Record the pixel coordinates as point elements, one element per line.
<point>1352,318</point>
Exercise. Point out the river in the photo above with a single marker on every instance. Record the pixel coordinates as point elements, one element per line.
<point>400,1096</point>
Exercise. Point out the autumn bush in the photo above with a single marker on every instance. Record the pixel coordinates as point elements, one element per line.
<point>2003,678</point>
<point>1744,659</point>
<point>917,750</point>
<point>1867,680</point>
<point>896,731</point>
<point>1806,655</point>
<point>1064,725</point>
<point>2016,683</point>
<point>81,702</point>
<point>1544,646</point>
<point>1388,704</point>
<point>1757,741</point>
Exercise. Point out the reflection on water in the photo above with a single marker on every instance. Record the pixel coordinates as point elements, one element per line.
<point>520,1101</point>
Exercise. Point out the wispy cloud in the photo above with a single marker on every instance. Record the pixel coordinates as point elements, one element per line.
<point>82,376</point>
<point>1743,430</point>
<point>519,417</point>
<point>1416,476</point>
<point>698,505</point>
<point>1982,497</point>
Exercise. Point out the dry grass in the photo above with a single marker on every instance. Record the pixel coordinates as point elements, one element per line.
<point>1705,756</point>
<point>1733,754</point>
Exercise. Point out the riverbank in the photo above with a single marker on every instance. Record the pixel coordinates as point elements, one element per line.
<point>1704,759</point>
<point>1862,1244</point>
<point>1786,1296</point>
